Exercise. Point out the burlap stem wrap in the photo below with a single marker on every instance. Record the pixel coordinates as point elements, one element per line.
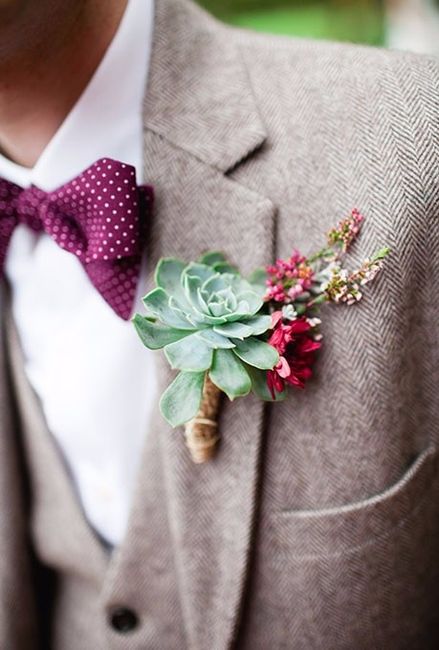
<point>202,431</point>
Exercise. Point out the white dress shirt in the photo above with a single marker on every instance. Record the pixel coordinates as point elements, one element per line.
<point>94,378</point>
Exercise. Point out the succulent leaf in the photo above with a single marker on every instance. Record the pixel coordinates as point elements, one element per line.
<point>194,295</point>
<point>181,400</point>
<point>212,257</point>
<point>157,302</point>
<point>218,308</point>
<point>200,271</point>
<point>168,277</point>
<point>260,387</point>
<point>256,353</point>
<point>154,335</point>
<point>225,267</point>
<point>229,374</point>
<point>215,340</point>
<point>190,353</point>
<point>252,302</point>
<point>259,324</point>
<point>184,313</point>
<point>235,330</point>
<point>258,279</point>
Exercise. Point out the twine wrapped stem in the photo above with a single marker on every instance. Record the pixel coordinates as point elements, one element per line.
<point>202,431</point>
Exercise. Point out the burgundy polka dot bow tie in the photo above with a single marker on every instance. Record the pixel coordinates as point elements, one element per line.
<point>100,216</point>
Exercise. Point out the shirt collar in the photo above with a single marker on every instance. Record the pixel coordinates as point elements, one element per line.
<point>106,121</point>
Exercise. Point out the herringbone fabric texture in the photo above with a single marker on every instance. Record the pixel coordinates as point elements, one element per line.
<point>317,525</point>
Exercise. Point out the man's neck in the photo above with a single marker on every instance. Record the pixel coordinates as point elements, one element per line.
<point>40,86</point>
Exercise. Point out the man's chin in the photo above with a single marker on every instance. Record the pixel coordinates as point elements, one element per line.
<point>25,24</point>
<point>10,10</point>
<point>15,18</point>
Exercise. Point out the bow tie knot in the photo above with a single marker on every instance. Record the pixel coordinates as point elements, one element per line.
<point>40,211</point>
<point>28,205</point>
<point>100,217</point>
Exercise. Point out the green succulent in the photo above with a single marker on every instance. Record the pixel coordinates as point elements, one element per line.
<point>207,318</point>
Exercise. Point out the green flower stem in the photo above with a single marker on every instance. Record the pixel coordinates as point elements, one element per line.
<point>323,253</point>
<point>318,300</point>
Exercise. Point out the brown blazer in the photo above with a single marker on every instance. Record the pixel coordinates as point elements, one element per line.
<point>317,524</point>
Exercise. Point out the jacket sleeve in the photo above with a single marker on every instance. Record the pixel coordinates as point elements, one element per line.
<point>17,599</point>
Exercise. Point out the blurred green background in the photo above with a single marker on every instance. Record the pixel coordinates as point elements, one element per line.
<point>360,21</point>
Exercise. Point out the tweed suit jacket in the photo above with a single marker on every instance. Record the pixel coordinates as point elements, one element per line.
<point>317,524</point>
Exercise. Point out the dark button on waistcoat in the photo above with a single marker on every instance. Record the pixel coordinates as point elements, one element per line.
<point>123,620</point>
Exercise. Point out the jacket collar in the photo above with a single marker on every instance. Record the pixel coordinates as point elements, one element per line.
<point>198,95</point>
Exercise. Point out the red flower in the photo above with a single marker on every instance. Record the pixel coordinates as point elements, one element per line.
<point>297,348</point>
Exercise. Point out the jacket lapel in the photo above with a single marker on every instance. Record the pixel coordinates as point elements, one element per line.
<point>201,121</point>
<point>198,94</point>
<point>211,507</point>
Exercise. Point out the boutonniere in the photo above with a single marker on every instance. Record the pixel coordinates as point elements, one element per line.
<point>231,335</point>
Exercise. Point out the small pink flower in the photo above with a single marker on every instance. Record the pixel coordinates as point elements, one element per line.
<point>288,279</point>
<point>295,291</point>
<point>347,230</point>
<point>282,368</point>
